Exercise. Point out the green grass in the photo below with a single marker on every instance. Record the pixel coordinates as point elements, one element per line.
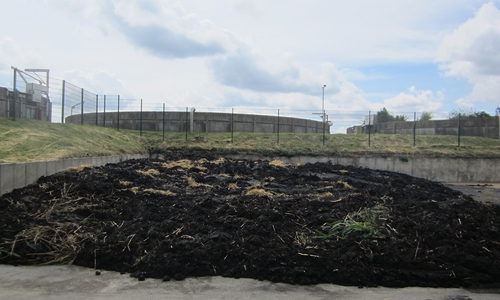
<point>365,221</point>
<point>28,140</point>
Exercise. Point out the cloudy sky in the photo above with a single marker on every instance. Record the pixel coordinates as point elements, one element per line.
<point>405,55</point>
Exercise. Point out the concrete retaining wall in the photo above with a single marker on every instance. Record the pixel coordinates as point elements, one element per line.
<point>435,169</point>
<point>485,127</point>
<point>202,122</point>
<point>19,175</point>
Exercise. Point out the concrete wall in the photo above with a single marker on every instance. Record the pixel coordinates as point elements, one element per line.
<point>4,104</point>
<point>485,127</point>
<point>18,175</point>
<point>435,169</point>
<point>202,122</point>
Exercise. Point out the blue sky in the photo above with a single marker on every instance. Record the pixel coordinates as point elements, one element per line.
<point>389,79</point>
<point>407,56</point>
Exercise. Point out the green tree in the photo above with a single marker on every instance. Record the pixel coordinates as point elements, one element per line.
<point>400,118</point>
<point>471,113</point>
<point>385,116</point>
<point>426,116</point>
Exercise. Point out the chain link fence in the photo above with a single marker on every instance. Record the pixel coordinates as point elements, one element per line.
<point>68,103</point>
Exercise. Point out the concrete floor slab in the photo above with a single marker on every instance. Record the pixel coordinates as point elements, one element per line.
<point>73,282</point>
<point>483,192</point>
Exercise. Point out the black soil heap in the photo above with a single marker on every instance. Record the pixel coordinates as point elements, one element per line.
<point>305,224</point>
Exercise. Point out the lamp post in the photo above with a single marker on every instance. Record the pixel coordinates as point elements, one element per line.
<point>74,106</point>
<point>323,108</point>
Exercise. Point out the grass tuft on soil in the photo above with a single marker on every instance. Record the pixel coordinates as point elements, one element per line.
<point>366,220</point>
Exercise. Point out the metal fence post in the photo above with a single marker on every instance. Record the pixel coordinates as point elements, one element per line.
<point>323,127</point>
<point>104,113</point>
<point>232,125</point>
<point>414,127</point>
<point>369,127</point>
<point>458,129</point>
<point>118,115</point>
<point>163,123</point>
<point>278,129</point>
<point>140,122</point>
<point>81,108</point>
<point>62,100</point>
<point>187,116</point>
<point>96,110</point>
<point>14,95</point>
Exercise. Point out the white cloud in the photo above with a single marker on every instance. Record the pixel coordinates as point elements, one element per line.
<point>235,53</point>
<point>98,82</point>
<point>252,8</point>
<point>415,101</point>
<point>163,33</point>
<point>472,52</point>
<point>350,98</point>
<point>244,70</point>
<point>486,89</point>
<point>86,8</point>
<point>464,103</point>
<point>164,43</point>
<point>197,99</point>
<point>357,75</point>
<point>8,52</point>
<point>161,28</point>
<point>12,55</point>
<point>349,107</point>
<point>345,95</point>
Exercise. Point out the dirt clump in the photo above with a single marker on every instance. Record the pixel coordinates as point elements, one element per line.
<point>300,224</point>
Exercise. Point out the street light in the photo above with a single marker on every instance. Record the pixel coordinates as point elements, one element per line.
<point>323,107</point>
<point>324,119</point>
<point>72,107</point>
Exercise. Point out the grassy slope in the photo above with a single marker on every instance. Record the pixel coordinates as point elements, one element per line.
<point>29,140</point>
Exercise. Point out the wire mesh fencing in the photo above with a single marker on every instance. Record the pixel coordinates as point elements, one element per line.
<point>69,103</point>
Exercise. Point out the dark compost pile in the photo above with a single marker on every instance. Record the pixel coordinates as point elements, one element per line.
<point>299,224</point>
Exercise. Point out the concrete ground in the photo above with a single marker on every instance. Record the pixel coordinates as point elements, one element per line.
<point>73,282</point>
<point>483,192</point>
